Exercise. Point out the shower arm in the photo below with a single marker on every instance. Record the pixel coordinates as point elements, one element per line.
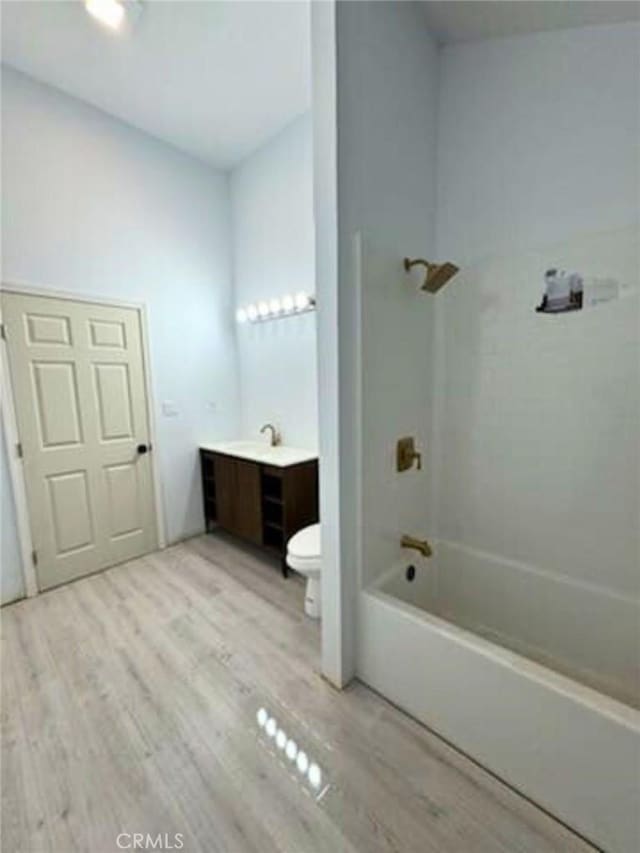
<point>436,275</point>
<point>409,264</point>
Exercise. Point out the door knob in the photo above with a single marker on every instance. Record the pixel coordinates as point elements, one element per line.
<point>142,449</point>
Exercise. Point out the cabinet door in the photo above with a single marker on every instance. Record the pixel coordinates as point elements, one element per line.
<point>248,502</point>
<point>238,498</point>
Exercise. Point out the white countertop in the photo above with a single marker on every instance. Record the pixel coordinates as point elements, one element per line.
<point>280,456</point>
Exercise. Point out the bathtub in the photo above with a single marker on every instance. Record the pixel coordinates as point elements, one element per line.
<point>570,748</point>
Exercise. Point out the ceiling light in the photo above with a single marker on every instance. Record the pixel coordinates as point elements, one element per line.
<point>108,12</point>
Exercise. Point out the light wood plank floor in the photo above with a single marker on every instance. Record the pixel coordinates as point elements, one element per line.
<point>129,702</point>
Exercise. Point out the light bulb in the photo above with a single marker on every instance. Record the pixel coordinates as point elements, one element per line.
<point>302,762</point>
<point>281,739</point>
<point>302,301</point>
<point>271,727</point>
<point>252,313</point>
<point>241,315</point>
<point>263,309</point>
<point>314,776</point>
<point>262,717</point>
<point>108,12</point>
<point>291,750</point>
<point>275,307</point>
<point>288,303</point>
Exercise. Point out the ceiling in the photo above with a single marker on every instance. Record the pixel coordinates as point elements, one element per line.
<point>214,79</point>
<point>217,79</point>
<point>471,20</point>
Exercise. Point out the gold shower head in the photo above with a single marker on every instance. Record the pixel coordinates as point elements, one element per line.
<point>437,274</point>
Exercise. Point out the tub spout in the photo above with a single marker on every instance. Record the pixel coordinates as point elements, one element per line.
<point>420,545</point>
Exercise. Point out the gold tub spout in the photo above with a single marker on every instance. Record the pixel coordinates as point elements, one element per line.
<point>420,545</point>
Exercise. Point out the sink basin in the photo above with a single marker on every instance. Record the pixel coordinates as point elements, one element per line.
<point>281,456</point>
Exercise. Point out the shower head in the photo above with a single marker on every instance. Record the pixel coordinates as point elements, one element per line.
<point>437,274</point>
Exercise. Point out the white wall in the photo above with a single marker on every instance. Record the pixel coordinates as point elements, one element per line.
<point>273,254</point>
<point>338,645</point>
<point>94,207</point>
<point>537,139</point>
<point>538,458</point>
<point>387,85</point>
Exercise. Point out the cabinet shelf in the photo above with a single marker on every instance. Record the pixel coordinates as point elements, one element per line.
<point>271,499</point>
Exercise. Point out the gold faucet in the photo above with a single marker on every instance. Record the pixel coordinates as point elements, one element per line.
<point>420,545</point>
<point>275,435</point>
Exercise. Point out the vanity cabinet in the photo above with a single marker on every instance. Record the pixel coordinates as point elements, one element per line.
<point>259,503</point>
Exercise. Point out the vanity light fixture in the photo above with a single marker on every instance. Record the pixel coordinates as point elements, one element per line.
<point>288,303</point>
<point>302,300</point>
<point>286,306</point>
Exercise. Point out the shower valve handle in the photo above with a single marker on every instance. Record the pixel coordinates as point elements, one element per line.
<point>406,454</point>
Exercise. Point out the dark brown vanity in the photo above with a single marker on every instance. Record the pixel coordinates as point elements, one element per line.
<point>261,503</point>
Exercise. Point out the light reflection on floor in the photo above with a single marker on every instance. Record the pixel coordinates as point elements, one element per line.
<point>309,771</point>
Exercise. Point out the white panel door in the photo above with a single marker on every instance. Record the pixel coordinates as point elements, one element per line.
<point>78,378</point>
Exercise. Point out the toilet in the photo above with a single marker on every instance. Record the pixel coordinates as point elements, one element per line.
<point>303,555</point>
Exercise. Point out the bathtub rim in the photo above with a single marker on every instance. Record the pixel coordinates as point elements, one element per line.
<point>598,702</point>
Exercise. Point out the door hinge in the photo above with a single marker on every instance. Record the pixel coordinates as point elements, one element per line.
<point>19,453</point>
<point>34,558</point>
<point>3,334</point>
